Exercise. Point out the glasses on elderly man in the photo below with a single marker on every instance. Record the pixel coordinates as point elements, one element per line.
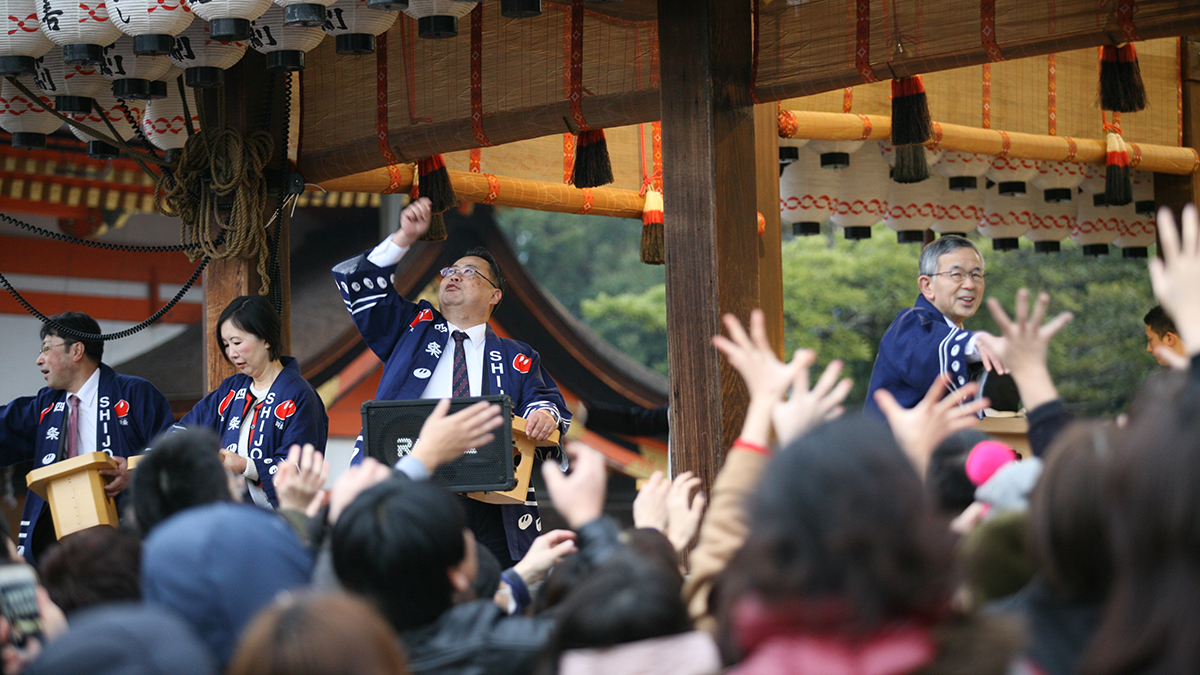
<point>466,273</point>
<point>958,276</point>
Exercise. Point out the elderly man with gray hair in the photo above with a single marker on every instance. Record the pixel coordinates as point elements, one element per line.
<point>928,339</point>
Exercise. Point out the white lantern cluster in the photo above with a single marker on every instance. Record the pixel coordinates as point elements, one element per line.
<point>153,24</point>
<point>1011,174</point>
<point>21,39</point>
<point>304,13</point>
<point>158,87</point>
<point>1058,181</point>
<point>861,192</point>
<point>1005,218</point>
<point>789,151</point>
<point>806,194</point>
<point>164,123</point>
<point>74,87</point>
<point>1052,221</point>
<point>283,44</point>
<point>438,18</point>
<point>911,209</point>
<point>962,170</point>
<point>116,116</point>
<point>354,25</point>
<point>957,211</point>
<point>28,123</point>
<point>1095,224</point>
<point>203,58</point>
<point>835,154</point>
<point>81,27</point>
<point>229,20</point>
<point>1137,229</point>
<point>131,73</point>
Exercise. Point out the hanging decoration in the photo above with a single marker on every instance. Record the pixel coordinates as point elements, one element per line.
<point>806,194</point>
<point>911,209</point>
<point>861,192</point>
<point>229,20</point>
<point>956,211</point>
<point>893,156</point>
<point>435,186</point>
<point>354,25</point>
<point>283,44</point>
<point>153,24</point>
<point>28,123</point>
<point>1005,217</point>
<point>80,27</point>
<point>164,123</point>
<point>1095,225</point>
<point>592,167</point>
<point>1050,223</point>
<point>1011,174</point>
<point>1118,190</point>
<point>1136,227</point>
<point>1058,181</point>
<point>962,170</point>
<point>130,72</point>
<point>21,38</point>
<point>74,87</point>
<point>1121,86</point>
<point>116,117</point>
<point>204,59</point>
<point>911,129</point>
<point>653,249</point>
<point>437,19</point>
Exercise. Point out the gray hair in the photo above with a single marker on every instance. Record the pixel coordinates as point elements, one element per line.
<point>940,247</point>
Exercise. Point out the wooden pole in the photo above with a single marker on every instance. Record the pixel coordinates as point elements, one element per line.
<point>709,199</point>
<point>770,260</point>
<point>1173,190</point>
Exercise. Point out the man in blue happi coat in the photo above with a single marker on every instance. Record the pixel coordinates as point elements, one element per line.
<point>450,352</point>
<point>928,339</point>
<point>84,407</point>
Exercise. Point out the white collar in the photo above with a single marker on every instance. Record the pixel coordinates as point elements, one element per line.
<point>87,393</point>
<point>474,333</point>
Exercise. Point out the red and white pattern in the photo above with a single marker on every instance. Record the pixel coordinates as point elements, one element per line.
<point>68,22</point>
<point>21,35</point>
<point>150,17</point>
<point>163,122</point>
<point>1095,224</point>
<point>1004,217</point>
<point>20,115</point>
<point>861,189</point>
<point>230,9</point>
<point>56,78</point>
<point>115,115</point>
<point>806,191</point>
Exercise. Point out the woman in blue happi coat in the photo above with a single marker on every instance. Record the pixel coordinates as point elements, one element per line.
<point>265,408</point>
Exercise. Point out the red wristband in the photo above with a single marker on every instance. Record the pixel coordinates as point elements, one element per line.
<point>752,447</point>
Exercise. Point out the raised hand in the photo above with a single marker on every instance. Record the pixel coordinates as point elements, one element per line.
<point>578,496</point>
<point>545,552</point>
<point>299,480</point>
<point>920,429</point>
<point>444,438</point>
<point>650,504</point>
<point>1024,344</point>
<point>1176,276</point>
<point>414,222</point>
<point>685,505</point>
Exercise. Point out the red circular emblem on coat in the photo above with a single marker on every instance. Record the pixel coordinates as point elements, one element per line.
<point>225,402</point>
<point>522,363</point>
<point>121,408</point>
<point>285,410</point>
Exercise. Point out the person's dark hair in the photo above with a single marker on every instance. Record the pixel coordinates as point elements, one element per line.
<point>1159,322</point>
<point>394,545</point>
<point>626,600</point>
<point>181,470</point>
<point>255,315</point>
<point>653,547</point>
<point>928,263</point>
<point>1068,533</point>
<point>947,473</point>
<point>487,580</point>
<point>1153,510</point>
<point>305,635</point>
<point>79,322</point>
<point>841,517</point>
<point>91,567</point>
<point>497,274</point>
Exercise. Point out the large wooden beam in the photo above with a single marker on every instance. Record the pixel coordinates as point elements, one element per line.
<point>227,279</point>
<point>770,260</point>
<point>711,228</point>
<point>1171,190</point>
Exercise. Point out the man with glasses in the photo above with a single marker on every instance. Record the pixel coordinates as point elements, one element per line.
<point>450,351</point>
<point>928,339</point>
<point>84,407</point>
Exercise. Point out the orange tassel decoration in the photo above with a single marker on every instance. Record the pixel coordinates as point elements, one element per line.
<point>653,248</point>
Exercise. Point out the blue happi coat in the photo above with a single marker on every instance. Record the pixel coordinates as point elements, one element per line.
<point>130,413</point>
<point>917,347</point>
<point>291,412</point>
<point>408,337</point>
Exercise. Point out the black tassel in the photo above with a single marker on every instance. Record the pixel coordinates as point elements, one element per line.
<point>437,229</point>
<point>435,183</point>
<point>592,165</point>
<point>910,112</point>
<point>911,165</point>
<point>1118,184</point>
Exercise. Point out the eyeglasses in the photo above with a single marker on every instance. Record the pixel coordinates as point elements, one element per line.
<point>958,277</point>
<point>466,273</point>
<point>47,347</point>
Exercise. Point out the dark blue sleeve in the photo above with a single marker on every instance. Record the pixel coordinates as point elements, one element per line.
<point>371,298</point>
<point>156,418</point>
<point>204,413</point>
<point>309,424</point>
<point>539,392</point>
<point>18,429</point>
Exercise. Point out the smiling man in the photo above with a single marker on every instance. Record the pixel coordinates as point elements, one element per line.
<point>928,338</point>
<point>84,407</point>
<point>450,351</point>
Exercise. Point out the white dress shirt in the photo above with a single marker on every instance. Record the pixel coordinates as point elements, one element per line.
<point>88,395</point>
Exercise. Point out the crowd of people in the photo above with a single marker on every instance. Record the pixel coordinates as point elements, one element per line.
<point>830,543</point>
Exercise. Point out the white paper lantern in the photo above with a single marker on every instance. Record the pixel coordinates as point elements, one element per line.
<point>74,87</point>
<point>28,123</point>
<point>116,115</point>
<point>306,13</point>
<point>1095,224</point>
<point>957,211</point>
<point>963,170</point>
<point>789,151</point>
<point>438,18</point>
<point>1137,229</point>
<point>1004,218</point>
<point>1094,178</point>
<point>861,192</point>
<point>203,59</point>
<point>806,196</point>
<point>164,124</point>
<point>153,24</point>
<point>1058,181</point>
<point>80,27</point>
<point>1011,174</point>
<point>354,25</point>
<point>158,87</point>
<point>284,45</point>
<point>129,72</point>
<point>1143,193</point>
<point>1051,223</point>
<point>835,154</point>
<point>229,19</point>
<point>21,39</point>
<point>911,209</point>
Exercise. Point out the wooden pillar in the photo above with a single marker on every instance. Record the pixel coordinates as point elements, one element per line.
<point>770,259</point>
<point>1173,190</point>
<point>709,196</point>
<point>226,279</point>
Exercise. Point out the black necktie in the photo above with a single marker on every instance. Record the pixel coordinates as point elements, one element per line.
<point>460,387</point>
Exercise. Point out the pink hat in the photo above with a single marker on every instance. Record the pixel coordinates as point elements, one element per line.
<point>986,458</point>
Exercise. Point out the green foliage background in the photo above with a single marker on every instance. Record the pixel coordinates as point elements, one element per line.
<point>840,296</point>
